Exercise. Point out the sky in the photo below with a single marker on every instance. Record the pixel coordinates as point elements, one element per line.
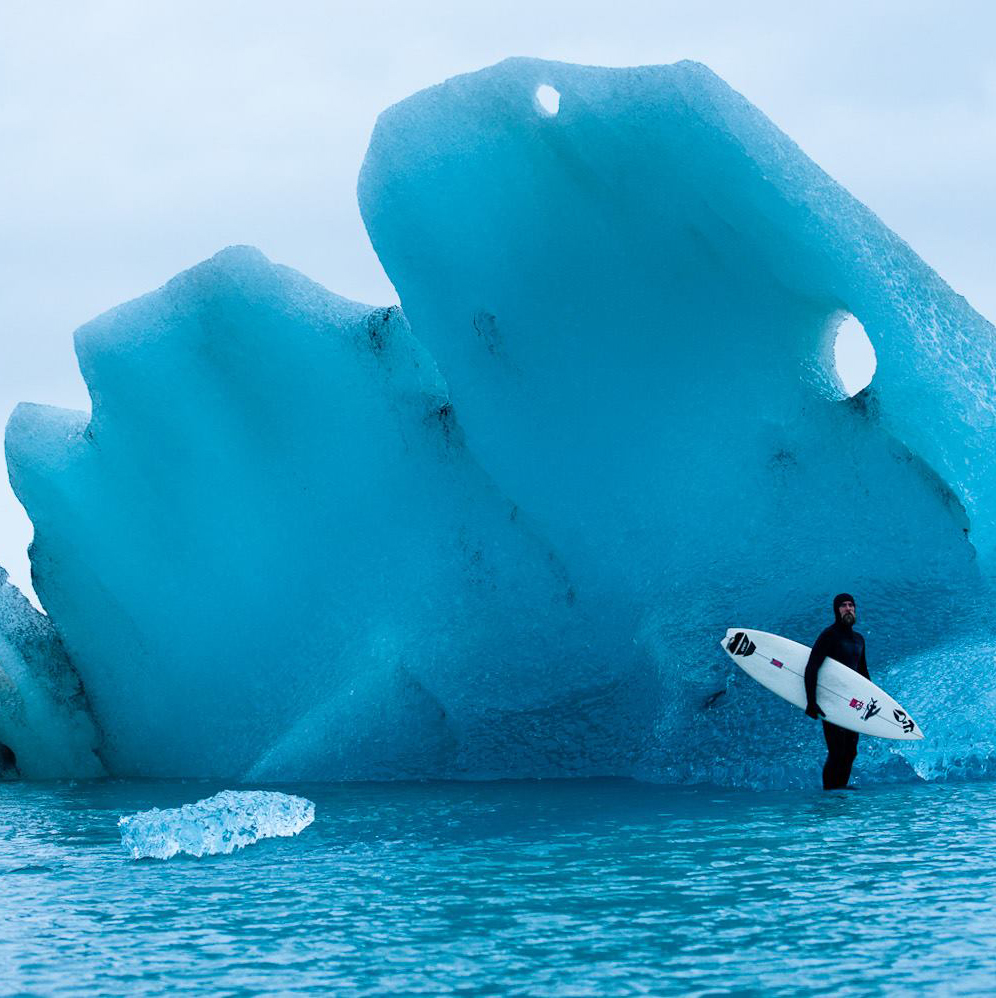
<point>137,139</point>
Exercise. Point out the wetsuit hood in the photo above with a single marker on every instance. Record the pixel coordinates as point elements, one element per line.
<point>837,601</point>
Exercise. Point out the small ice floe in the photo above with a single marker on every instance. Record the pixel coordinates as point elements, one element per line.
<point>219,824</point>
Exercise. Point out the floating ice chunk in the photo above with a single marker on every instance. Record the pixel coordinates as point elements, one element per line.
<point>219,824</point>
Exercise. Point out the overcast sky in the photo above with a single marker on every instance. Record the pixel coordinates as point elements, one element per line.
<point>139,138</point>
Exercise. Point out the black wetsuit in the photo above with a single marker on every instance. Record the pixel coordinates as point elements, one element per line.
<point>848,647</point>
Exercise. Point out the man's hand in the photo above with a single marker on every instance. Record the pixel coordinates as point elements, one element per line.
<point>813,711</point>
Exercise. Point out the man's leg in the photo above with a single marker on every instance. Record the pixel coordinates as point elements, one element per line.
<point>849,742</point>
<point>842,747</point>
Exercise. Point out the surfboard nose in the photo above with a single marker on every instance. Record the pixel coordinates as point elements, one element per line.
<point>726,639</point>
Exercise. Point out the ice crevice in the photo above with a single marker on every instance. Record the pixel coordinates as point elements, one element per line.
<point>496,530</point>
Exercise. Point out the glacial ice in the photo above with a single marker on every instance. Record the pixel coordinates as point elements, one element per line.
<point>634,303</point>
<point>284,547</point>
<point>270,554</point>
<point>44,717</point>
<point>227,821</point>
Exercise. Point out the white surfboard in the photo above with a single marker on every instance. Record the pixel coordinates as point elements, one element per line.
<point>847,698</point>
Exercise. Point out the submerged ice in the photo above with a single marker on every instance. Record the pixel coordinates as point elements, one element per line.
<point>497,534</point>
<point>230,820</point>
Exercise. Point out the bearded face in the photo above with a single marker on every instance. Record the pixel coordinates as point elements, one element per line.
<point>847,613</point>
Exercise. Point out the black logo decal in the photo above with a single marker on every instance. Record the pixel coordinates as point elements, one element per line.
<point>740,644</point>
<point>871,710</point>
<point>904,719</point>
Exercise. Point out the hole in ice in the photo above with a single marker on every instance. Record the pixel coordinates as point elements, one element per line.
<point>854,356</point>
<point>548,98</point>
<point>8,762</point>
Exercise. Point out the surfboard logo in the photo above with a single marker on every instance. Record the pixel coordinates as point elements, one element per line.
<point>871,710</point>
<point>740,644</point>
<point>904,719</point>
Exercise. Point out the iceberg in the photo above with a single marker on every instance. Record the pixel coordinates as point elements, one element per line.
<point>634,300</point>
<point>230,820</point>
<point>46,728</point>
<point>634,303</point>
<point>270,554</point>
<point>494,532</point>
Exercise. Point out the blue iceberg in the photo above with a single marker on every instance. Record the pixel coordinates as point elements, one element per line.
<point>230,820</point>
<point>46,729</point>
<point>496,533</point>
<point>269,552</point>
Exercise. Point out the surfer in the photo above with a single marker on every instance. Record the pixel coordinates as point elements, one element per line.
<point>847,646</point>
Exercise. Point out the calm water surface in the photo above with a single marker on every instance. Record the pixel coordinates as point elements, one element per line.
<point>562,888</point>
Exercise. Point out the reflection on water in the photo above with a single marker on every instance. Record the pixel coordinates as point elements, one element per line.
<point>598,887</point>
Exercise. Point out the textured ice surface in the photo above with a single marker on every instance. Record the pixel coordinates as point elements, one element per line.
<point>44,717</point>
<point>283,547</point>
<point>634,304</point>
<point>270,554</point>
<point>223,823</point>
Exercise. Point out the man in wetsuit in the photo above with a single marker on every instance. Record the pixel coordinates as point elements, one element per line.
<point>842,642</point>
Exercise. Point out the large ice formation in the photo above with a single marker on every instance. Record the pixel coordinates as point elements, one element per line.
<point>269,552</point>
<point>634,302</point>
<point>230,820</point>
<point>46,729</point>
<point>283,547</point>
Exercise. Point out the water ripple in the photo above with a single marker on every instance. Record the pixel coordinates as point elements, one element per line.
<point>516,888</point>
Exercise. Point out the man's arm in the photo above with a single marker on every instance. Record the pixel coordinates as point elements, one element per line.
<point>864,662</point>
<point>816,658</point>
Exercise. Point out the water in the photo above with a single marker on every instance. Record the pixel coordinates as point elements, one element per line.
<point>566,888</point>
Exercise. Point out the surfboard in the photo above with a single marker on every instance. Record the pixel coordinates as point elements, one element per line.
<point>847,698</point>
